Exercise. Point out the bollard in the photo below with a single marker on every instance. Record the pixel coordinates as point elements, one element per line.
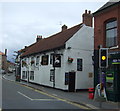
<point>91,93</point>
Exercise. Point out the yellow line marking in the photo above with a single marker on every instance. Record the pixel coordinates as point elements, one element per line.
<point>60,99</point>
<point>44,100</point>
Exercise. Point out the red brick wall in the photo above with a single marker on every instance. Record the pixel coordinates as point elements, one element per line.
<point>99,19</point>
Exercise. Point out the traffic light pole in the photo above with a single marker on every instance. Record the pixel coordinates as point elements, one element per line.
<point>100,74</point>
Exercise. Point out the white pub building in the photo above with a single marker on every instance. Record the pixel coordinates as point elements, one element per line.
<point>63,60</point>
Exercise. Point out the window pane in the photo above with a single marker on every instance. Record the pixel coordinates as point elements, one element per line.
<point>32,61</point>
<point>23,75</point>
<point>111,37</point>
<point>45,60</point>
<point>79,64</point>
<point>37,60</point>
<point>111,34</point>
<point>52,75</point>
<point>111,24</point>
<point>32,75</point>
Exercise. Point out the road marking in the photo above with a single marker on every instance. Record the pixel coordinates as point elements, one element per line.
<point>93,107</point>
<point>45,100</point>
<point>7,78</point>
<point>25,95</point>
<point>61,99</point>
<point>54,94</point>
<point>36,99</point>
<point>44,93</point>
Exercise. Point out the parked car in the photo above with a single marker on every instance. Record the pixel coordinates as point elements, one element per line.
<point>2,71</point>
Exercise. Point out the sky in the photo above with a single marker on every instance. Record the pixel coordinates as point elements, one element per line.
<point>21,22</point>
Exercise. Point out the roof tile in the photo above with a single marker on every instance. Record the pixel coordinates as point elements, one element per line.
<point>55,41</point>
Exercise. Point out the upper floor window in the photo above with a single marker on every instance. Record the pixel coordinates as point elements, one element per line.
<point>32,61</point>
<point>37,60</point>
<point>45,60</point>
<point>111,33</point>
<point>79,64</point>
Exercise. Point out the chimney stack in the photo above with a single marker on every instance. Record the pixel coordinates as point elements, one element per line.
<point>64,27</point>
<point>87,18</point>
<point>39,37</point>
<point>5,52</point>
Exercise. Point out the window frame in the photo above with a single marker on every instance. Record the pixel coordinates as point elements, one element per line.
<point>79,64</point>
<point>32,75</point>
<point>111,28</point>
<point>37,60</point>
<point>43,62</point>
<point>32,59</point>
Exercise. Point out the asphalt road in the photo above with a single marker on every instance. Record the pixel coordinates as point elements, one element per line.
<point>17,96</point>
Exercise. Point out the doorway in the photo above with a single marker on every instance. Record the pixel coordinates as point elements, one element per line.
<point>71,85</point>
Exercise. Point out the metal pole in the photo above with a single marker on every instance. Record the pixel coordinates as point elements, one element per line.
<point>100,103</point>
<point>118,106</point>
<point>54,79</point>
<point>100,70</point>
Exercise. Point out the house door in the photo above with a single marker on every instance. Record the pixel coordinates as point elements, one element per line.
<point>71,85</point>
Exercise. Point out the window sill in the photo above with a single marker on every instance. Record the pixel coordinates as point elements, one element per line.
<point>115,47</point>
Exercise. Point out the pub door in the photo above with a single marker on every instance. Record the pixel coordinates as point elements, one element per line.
<point>71,85</point>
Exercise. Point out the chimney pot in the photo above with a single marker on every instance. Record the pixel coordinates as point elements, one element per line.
<point>89,12</point>
<point>5,52</point>
<point>64,27</point>
<point>25,46</point>
<point>87,18</point>
<point>39,37</point>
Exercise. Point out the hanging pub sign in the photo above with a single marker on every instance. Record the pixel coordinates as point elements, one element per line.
<point>56,60</point>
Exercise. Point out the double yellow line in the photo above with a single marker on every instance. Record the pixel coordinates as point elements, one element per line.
<point>60,99</point>
<point>55,97</point>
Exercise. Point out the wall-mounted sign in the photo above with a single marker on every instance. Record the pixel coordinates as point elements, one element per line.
<point>116,61</point>
<point>56,60</point>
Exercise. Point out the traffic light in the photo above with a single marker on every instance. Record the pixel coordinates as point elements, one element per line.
<point>103,57</point>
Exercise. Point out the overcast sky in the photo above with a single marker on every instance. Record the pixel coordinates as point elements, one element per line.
<point>21,22</point>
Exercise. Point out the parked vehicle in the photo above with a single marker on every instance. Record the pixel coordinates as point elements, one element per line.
<point>2,71</point>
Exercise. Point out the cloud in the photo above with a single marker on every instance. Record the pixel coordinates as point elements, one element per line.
<point>21,22</point>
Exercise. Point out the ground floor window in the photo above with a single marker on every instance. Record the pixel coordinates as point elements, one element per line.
<point>31,75</point>
<point>79,64</point>
<point>66,78</point>
<point>52,75</point>
<point>24,75</point>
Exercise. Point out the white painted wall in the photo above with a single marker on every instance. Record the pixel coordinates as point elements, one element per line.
<point>0,62</point>
<point>81,47</point>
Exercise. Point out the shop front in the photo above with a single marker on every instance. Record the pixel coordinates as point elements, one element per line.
<point>113,78</point>
<point>110,76</point>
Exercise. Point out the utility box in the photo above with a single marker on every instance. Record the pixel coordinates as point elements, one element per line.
<point>113,78</point>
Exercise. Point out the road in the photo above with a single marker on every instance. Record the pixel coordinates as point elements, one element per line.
<point>17,96</point>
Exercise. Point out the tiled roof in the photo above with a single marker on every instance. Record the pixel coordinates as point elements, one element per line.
<point>107,5</point>
<point>1,53</point>
<point>53,42</point>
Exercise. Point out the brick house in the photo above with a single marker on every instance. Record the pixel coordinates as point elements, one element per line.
<point>107,35</point>
<point>63,60</point>
<point>3,61</point>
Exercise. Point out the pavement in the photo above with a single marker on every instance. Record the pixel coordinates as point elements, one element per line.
<point>79,97</point>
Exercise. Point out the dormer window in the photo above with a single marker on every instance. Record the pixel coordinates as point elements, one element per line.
<point>111,33</point>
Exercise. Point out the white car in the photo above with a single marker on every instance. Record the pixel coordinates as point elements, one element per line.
<point>2,71</point>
